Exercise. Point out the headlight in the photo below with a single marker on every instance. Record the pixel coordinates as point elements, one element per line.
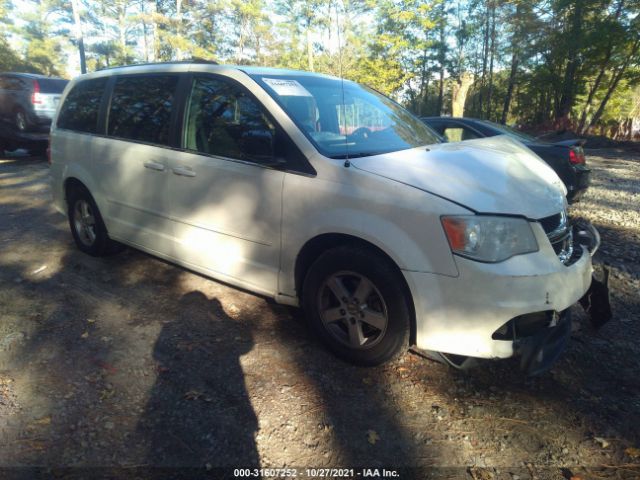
<point>489,239</point>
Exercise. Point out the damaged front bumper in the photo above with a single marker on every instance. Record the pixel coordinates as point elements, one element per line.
<point>517,307</point>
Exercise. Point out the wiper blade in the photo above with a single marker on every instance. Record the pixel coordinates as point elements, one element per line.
<point>344,156</point>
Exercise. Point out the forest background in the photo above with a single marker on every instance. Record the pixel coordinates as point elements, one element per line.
<point>542,65</point>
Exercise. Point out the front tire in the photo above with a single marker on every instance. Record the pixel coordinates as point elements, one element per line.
<point>87,226</point>
<point>356,302</point>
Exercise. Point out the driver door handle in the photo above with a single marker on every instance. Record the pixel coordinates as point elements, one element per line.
<point>154,166</point>
<point>184,171</point>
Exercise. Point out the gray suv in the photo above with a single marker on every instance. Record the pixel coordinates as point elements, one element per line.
<point>28,102</point>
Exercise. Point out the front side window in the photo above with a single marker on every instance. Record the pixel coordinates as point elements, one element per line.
<point>344,119</point>
<point>224,120</point>
<point>141,108</point>
<point>80,109</point>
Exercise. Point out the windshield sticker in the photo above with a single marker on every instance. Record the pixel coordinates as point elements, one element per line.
<point>287,88</point>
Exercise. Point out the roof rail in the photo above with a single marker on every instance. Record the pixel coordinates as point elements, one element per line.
<point>171,62</point>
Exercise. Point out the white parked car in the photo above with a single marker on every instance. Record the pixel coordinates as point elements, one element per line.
<point>325,194</point>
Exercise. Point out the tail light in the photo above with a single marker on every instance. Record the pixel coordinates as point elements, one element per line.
<point>49,150</point>
<point>576,157</point>
<point>36,98</point>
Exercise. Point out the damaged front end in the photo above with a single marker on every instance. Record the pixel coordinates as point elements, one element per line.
<point>540,337</point>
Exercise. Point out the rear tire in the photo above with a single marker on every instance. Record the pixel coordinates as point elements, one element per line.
<point>87,226</point>
<point>356,303</point>
<point>20,120</point>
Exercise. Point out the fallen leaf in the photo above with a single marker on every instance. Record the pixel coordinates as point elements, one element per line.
<point>192,395</point>
<point>85,335</point>
<point>91,320</point>
<point>603,442</point>
<point>106,394</point>
<point>42,421</point>
<point>633,452</point>
<point>372,437</point>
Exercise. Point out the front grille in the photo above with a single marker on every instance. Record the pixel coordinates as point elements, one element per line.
<point>560,236</point>
<point>550,223</point>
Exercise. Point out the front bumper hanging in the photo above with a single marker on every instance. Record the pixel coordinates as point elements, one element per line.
<point>596,301</point>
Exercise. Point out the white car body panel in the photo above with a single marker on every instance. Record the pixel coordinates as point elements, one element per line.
<point>246,225</point>
<point>227,218</point>
<point>490,175</point>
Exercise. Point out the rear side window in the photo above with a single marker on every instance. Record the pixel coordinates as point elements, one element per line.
<point>141,108</point>
<point>52,85</point>
<point>80,109</point>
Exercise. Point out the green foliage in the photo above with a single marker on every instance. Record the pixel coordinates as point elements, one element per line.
<point>544,63</point>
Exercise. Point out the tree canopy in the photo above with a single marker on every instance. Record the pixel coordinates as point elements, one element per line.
<point>543,63</point>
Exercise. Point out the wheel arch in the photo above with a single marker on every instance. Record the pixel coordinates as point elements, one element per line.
<point>71,184</point>
<point>319,244</point>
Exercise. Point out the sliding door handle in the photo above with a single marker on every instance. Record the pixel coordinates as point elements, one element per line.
<point>154,166</point>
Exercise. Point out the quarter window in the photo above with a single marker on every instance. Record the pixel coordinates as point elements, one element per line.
<point>80,109</point>
<point>457,134</point>
<point>141,108</point>
<point>224,120</point>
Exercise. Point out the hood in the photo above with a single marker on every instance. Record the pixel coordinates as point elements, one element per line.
<point>487,175</point>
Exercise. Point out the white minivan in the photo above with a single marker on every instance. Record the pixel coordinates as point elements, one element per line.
<point>320,192</point>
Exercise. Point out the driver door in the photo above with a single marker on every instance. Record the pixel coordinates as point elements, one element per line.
<point>226,195</point>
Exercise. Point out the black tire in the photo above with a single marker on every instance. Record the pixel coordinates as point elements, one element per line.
<point>91,237</point>
<point>20,120</point>
<point>350,265</point>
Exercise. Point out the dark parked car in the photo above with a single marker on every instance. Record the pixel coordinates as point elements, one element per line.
<point>27,105</point>
<point>566,157</point>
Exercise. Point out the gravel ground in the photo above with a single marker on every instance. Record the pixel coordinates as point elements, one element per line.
<point>128,362</point>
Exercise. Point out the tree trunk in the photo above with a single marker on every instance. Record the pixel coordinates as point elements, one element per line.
<point>440,92</point>
<point>79,36</point>
<point>512,82</point>
<point>603,67</point>
<point>617,76</point>
<point>309,47</point>
<point>492,50</point>
<point>145,38</point>
<point>568,85</point>
<point>122,30</point>
<point>179,52</point>
<point>459,94</point>
<point>441,59</point>
<point>485,55</point>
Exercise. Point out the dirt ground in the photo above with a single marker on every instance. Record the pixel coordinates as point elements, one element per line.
<point>109,367</point>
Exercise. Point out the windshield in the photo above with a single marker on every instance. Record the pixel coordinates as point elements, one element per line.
<point>355,123</point>
<point>523,137</point>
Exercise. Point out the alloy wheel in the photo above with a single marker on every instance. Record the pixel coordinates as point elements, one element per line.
<point>84,222</point>
<point>352,310</point>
